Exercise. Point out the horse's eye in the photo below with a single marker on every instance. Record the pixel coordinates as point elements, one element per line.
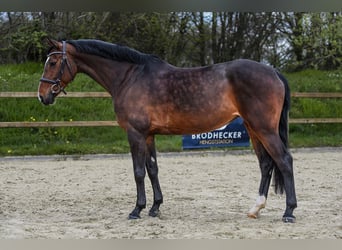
<point>52,64</point>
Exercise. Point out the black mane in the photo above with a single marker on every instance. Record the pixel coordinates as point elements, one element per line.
<point>112,51</point>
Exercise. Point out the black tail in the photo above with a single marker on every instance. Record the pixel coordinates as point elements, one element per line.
<point>278,178</point>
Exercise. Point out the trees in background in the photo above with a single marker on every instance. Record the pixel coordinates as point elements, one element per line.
<point>315,39</point>
<point>285,40</point>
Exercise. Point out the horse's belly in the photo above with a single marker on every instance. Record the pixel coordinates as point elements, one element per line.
<point>192,123</point>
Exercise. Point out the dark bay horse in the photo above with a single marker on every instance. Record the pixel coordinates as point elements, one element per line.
<point>152,97</point>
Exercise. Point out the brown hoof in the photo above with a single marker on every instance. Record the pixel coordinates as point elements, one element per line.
<point>253,216</point>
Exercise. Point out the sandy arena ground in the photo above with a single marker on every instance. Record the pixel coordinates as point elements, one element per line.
<point>206,195</point>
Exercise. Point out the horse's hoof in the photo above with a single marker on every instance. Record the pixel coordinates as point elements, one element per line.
<point>253,216</point>
<point>287,219</point>
<point>133,216</point>
<point>154,213</point>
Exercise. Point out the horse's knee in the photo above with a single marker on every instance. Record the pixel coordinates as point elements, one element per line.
<point>139,174</point>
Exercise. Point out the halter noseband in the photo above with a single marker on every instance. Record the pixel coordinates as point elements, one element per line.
<point>56,87</point>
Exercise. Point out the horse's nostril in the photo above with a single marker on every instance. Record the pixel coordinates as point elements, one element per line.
<point>42,100</point>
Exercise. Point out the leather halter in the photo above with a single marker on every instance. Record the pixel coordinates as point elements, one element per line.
<point>56,86</point>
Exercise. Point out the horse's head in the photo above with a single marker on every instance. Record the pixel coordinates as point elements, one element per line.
<point>59,70</point>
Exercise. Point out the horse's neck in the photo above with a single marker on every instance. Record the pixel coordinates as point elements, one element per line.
<point>106,72</point>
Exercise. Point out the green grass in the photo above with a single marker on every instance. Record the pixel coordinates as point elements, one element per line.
<point>315,135</point>
<point>89,140</point>
<point>315,81</point>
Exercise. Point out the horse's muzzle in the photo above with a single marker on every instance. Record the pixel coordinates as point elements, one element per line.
<point>47,100</point>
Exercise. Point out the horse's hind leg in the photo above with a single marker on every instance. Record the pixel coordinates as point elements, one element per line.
<point>152,170</point>
<point>283,159</point>
<point>266,167</point>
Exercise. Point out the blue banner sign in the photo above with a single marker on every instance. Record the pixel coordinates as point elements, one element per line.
<point>232,135</point>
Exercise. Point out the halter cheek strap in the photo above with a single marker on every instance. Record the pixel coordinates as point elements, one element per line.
<point>56,87</point>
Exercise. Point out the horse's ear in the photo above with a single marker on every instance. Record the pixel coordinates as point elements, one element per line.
<point>51,42</point>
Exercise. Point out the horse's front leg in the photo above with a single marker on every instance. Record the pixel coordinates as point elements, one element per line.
<point>138,150</point>
<point>152,170</point>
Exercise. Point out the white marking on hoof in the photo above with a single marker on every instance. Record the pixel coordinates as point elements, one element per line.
<point>254,212</point>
